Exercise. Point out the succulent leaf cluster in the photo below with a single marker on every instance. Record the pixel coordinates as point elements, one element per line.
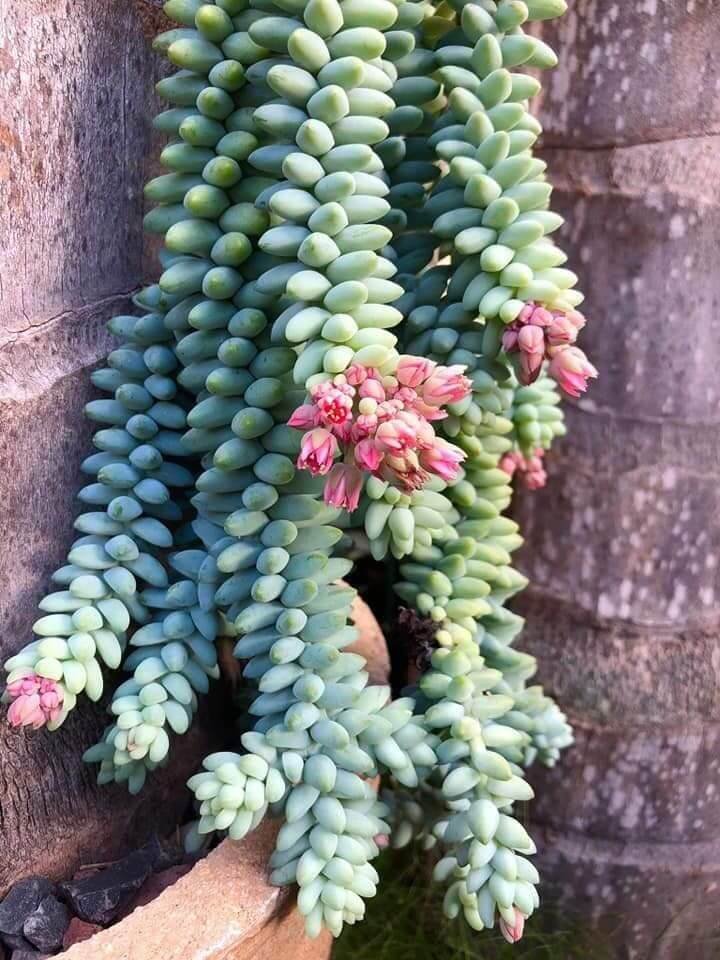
<point>351,184</point>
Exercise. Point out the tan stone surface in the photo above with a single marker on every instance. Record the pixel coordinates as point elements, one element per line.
<point>224,909</point>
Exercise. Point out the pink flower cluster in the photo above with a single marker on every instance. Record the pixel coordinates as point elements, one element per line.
<point>380,425</point>
<point>538,334</point>
<point>35,701</point>
<point>530,468</point>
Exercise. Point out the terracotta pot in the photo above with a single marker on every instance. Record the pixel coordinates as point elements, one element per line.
<point>224,908</point>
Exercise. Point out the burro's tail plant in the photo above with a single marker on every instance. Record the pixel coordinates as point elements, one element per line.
<point>357,337</point>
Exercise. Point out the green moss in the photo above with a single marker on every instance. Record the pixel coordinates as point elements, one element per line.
<point>407,923</point>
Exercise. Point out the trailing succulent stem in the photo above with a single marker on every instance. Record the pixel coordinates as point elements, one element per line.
<point>360,324</point>
<point>137,504</point>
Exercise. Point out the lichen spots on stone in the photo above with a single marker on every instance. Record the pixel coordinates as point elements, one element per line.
<point>677,226</point>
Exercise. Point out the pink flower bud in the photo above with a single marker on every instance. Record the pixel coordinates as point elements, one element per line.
<point>529,335</point>
<point>531,344</point>
<point>510,337</point>
<point>49,701</point>
<point>304,417</point>
<point>535,479</point>
<point>446,385</point>
<point>18,687</point>
<point>343,486</point>
<point>317,452</point>
<point>332,387</point>
<point>389,409</point>
<point>533,314</point>
<point>571,369</point>
<point>513,931</point>
<point>335,407</point>
<point>427,412</point>
<point>405,470</point>
<point>531,469</point>
<point>443,459</point>
<point>24,710</point>
<point>407,396</point>
<point>577,319</point>
<point>412,371</point>
<point>356,374</point>
<point>564,328</point>
<point>510,462</point>
<point>368,455</point>
<point>364,426</point>
<point>372,388</point>
<point>419,427</point>
<point>395,436</point>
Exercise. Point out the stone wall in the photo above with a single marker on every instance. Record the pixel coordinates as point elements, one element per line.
<point>76,101</point>
<point>623,547</point>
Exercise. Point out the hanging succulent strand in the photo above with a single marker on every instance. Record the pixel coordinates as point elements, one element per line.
<point>490,211</point>
<point>132,523</point>
<point>360,324</point>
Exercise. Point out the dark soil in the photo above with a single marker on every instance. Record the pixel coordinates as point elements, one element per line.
<point>39,918</point>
